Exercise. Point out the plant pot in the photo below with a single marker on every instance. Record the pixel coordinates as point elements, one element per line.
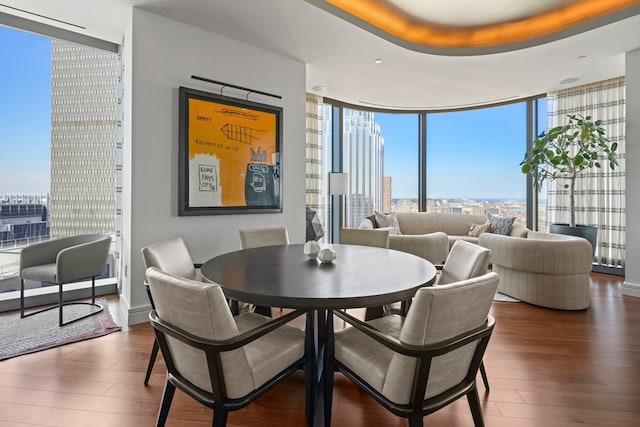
<point>588,232</point>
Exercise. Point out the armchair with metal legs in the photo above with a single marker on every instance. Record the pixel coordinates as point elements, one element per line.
<point>62,261</point>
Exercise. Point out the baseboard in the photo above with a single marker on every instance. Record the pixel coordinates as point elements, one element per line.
<point>631,289</point>
<point>135,315</point>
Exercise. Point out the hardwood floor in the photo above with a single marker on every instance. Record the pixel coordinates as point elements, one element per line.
<point>546,368</point>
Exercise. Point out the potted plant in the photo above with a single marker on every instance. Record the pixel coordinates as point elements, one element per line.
<point>562,153</point>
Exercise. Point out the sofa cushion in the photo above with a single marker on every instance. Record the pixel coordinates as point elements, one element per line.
<point>476,229</point>
<point>387,220</point>
<point>501,225</point>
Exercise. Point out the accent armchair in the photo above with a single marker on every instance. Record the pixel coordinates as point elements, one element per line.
<point>61,261</point>
<point>223,362</point>
<point>417,365</point>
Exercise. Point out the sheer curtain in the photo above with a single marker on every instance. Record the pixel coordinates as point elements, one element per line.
<point>600,193</point>
<point>316,170</point>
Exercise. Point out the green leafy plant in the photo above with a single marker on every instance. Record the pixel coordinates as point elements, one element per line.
<point>563,152</point>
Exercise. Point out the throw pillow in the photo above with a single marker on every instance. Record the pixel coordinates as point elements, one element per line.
<point>372,218</point>
<point>388,220</point>
<point>475,230</point>
<point>501,225</point>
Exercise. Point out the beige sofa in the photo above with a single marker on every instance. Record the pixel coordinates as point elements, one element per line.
<point>549,270</point>
<point>431,235</point>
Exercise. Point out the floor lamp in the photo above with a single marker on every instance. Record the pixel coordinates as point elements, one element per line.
<point>338,186</point>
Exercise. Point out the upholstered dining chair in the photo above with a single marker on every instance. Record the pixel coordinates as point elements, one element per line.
<point>465,261</point>
<point>170,256</point>
<point>364,237</point>
<point>360,236</point>
<point>257,238</point>
<point>61,261</point>
<point>417,365</point>
<point>223,362</point>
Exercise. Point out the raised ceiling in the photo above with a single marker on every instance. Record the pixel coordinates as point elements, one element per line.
<point>340,55</point>
<point>489,25</point>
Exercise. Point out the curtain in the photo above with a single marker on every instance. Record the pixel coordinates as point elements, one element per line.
<point>600,193</point>
<point>314,166</point>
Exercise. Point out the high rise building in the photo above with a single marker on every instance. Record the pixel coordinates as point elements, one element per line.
<point>386,195</point>
<point>85,132</point>
<point>363,155</point>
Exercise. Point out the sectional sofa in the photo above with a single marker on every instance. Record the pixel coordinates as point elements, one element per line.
<point>431,235</point>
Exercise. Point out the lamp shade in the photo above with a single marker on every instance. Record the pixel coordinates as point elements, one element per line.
<point>338,183</point>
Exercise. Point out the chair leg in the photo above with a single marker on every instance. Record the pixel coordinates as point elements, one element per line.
<point>416,419</point>
<point>219,416</point>
<point>152,361</point>
<point>167,397</point>
<point>21,298</point>
<point>61,304</point>
<point>476,410</point>
<point>485,380</point>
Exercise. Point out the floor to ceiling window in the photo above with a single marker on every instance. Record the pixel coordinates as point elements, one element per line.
<point>60,139</point>
<point>471,160</point>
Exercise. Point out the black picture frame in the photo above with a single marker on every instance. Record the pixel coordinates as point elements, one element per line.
<point>230,155</point>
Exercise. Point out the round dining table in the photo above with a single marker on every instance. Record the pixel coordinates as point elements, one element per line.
<point>283,276</point>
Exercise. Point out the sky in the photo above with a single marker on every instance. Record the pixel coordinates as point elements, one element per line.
<point>25,112</point>
<point>471,154</point>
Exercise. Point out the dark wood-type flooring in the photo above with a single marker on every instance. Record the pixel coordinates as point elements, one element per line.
<point>546,368</point>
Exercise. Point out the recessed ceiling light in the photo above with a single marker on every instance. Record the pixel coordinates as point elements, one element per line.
<point>582,57</point>
<point>377,61</point>
<point>569,80</point>
<point>319,88</point>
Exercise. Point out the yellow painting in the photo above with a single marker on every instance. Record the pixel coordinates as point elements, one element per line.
<point>230,150</point>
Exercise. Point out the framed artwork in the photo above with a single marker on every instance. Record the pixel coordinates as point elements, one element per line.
<point>229,156</point>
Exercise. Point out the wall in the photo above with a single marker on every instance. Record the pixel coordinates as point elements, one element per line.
<point>632,267</point>
<point>160,56</point>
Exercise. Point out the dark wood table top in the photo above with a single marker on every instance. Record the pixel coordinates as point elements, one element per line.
<point>282,276</point>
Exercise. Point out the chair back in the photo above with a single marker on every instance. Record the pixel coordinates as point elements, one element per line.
<point>259,237</point>
<point>364,237</point>
<point>465,260</point>
<point>170,256</point>
<point>76,257</point>
<point>438,313</point>
<point>199,309</point>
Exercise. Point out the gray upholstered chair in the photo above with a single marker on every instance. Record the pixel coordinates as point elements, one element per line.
<point>170,256</point>
<point>465,261</point>
<point>417,365</point>
<point>379,238</point>
<point>223,362</point>
<point>257,238</point>
<point>65,260</point>
<point>360,236</point>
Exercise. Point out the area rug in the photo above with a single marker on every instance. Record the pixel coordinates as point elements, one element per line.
<point>41,331</point>
<point>506,298</point>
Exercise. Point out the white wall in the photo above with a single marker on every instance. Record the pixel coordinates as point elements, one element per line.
<point>632,267</point>
<point>161,55</point>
